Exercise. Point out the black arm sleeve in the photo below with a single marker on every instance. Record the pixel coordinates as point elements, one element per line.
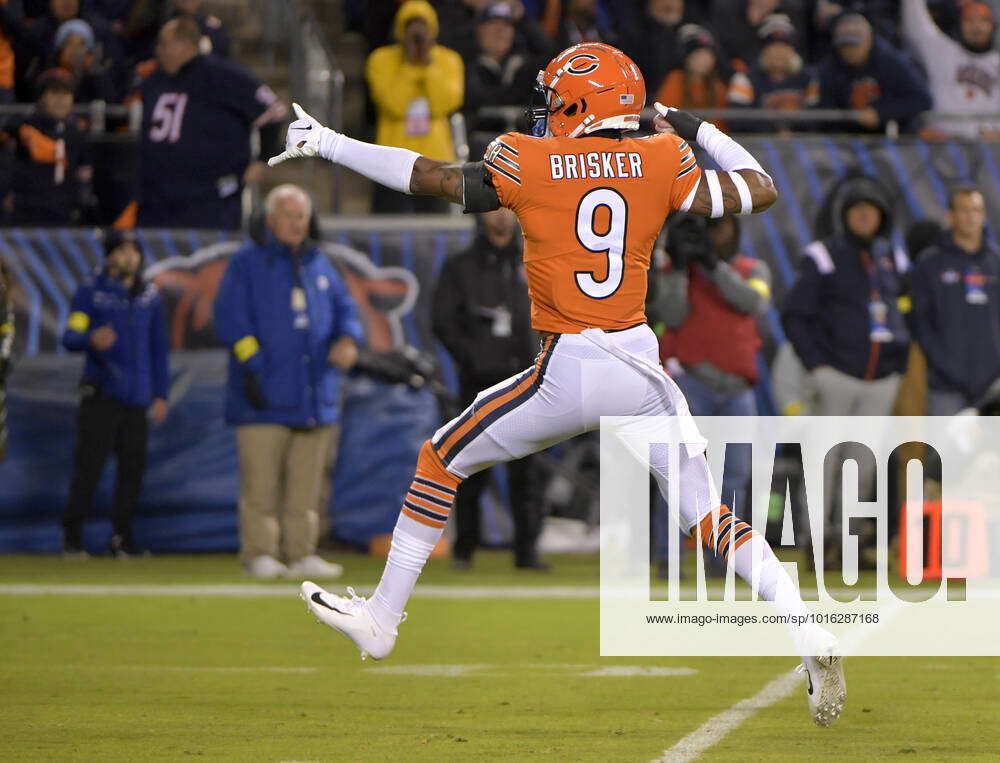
<point>480,195</point>
<point>271,142</point>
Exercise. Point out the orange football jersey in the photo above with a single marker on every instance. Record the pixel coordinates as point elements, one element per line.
<point>590,209</point>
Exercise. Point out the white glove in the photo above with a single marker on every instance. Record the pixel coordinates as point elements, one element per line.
<point>306,137</point>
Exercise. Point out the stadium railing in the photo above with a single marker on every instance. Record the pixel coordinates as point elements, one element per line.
<point>826,118</point>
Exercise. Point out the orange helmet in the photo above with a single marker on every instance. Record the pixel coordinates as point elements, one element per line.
<point>587,87</point>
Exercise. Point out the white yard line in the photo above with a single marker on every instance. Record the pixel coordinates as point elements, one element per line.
<point>242,590</point>
<point>252,590</point>
<point>716,728</point>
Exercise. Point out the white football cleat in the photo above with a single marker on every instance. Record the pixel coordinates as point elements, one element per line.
<point>313,566</point>
<point>349,616</point>
<point>826,688</point>
<point>265,567</point>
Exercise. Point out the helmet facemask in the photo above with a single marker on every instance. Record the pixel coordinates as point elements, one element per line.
<point>543,103</point>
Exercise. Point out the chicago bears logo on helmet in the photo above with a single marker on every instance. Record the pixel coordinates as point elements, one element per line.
<point>582,63</point>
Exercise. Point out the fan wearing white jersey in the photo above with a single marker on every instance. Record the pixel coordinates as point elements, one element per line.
<point>964,76</point>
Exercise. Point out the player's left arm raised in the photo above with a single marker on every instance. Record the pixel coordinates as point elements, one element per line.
<point>397,168</point>
<point>741,187</point>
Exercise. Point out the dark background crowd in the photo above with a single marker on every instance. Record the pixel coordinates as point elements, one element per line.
<point>882,63</point>
<point>872,327</point>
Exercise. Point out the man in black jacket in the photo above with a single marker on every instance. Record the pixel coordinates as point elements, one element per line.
<point>956,308</point>
<point>844,317</point>
<point>842,314</point>
<point>499,74</point>
<point>481,314</point>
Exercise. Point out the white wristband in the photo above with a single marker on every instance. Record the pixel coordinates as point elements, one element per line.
<point>715,191</point>
<point>746,200</point>
<point>391,167</point>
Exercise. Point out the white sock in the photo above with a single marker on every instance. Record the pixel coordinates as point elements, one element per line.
<point>412,544</point>
<point>751,556</point>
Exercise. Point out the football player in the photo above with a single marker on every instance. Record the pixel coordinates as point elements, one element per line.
<point>591,200</point>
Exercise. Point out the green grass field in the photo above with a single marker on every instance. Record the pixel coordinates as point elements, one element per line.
<point>146,676</point>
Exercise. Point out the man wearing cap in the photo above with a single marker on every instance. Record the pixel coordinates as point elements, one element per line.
<point>778,79</point>
<point>117,321</point>
<point>35,48</point>
<point>699,83</point>
<point>416,85</point>
<point>864,73</point>
<point>499,75</point>
<point>76,52</point>
<point>52,169</point>
<point>964,74</point>
<point>740,24</point>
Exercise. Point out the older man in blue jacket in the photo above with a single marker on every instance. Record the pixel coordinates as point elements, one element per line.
<point>286,314</point>
<point>118,322</point>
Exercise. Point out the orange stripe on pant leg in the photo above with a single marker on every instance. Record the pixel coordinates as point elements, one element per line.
<point>429,467</point>
<point>431,491</point>
<point>445,447</point>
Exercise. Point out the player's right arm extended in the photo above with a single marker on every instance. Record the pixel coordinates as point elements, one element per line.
<point>740,188</point>
<point>397,168</point>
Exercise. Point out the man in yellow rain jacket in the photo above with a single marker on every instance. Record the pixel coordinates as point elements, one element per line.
<point>415,85</point>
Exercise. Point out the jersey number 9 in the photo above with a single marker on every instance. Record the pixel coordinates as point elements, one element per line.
<point>611,243</point>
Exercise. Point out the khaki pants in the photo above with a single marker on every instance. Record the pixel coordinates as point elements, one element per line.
<point>281,474</point>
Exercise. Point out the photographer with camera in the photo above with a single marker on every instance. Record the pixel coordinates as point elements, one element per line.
<point>709,300</point>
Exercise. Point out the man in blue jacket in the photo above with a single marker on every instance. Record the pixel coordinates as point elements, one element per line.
<point>286,314</point>
<point>118,322</point>
<point>956,308</point>
<point>864,72</point>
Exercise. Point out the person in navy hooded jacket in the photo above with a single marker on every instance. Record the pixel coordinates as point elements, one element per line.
<point>118,322</point>
<point>286,314</point>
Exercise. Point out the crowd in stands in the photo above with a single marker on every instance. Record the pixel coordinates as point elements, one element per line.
<point>198,110</point>
<point>888,61</point>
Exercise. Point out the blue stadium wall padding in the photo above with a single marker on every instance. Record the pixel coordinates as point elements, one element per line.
<point>190,494</point>
<point>190,497</point>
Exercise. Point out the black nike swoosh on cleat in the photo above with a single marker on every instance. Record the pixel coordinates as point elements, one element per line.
<point>318,598</point>
<point>809,677</point>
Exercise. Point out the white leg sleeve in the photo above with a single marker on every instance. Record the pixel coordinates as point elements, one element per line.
<point>391,167</point>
